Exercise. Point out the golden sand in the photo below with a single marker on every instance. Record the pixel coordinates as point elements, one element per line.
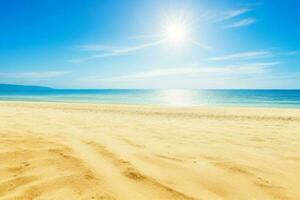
<point>80,151</point>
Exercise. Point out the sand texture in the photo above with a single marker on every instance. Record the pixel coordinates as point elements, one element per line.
<point>110,152</point>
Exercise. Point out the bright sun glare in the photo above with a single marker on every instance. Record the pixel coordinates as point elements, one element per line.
<point>175,33</point>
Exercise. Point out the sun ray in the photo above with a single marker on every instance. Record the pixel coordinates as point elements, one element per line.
<point>175,33</point>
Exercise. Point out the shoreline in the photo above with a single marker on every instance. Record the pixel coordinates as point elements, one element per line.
<point>123,152</point>
<point>211,106</point>
<point>173,111</point>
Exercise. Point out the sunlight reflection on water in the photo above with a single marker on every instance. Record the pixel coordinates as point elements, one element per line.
<point>178,97</point>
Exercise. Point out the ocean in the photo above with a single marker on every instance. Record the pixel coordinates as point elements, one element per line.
<point>232,98</point>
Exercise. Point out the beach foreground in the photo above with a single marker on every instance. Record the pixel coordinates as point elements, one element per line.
<point>81,151</point>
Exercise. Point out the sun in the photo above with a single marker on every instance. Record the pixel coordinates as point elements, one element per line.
<point>175,33</point>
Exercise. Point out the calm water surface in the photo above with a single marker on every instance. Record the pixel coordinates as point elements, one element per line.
<point>249,98</point>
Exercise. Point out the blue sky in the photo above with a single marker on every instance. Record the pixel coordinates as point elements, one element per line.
<point>122,44</point>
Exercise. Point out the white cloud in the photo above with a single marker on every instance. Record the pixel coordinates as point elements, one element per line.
<point>145,36</point>
<point>251,68</point>
<point>33,75</point>
<point>244,55</point>
<point>127,50</point>
<point>202,45</point>
<point>241,23</point>
<point>232,14</point>
<point>95,47</point>
<point>108,51</point>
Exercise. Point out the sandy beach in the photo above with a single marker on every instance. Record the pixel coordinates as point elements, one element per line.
<point>118,152</point>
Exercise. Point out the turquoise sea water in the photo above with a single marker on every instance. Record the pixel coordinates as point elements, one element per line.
<point>247,98</point>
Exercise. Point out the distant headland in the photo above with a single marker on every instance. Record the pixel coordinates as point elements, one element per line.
<point>11,87</point>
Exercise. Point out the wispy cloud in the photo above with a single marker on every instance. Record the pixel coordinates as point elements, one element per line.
<point>244,55</point>
<point>227,15</point>
<point>202,45</point>
<point>33,75</point>
<point>95,47</point>
<point>241,23</point>
<point>145,36</point>
<point>234,16</point>
<point>108,51</point>
<point>251,68</point>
